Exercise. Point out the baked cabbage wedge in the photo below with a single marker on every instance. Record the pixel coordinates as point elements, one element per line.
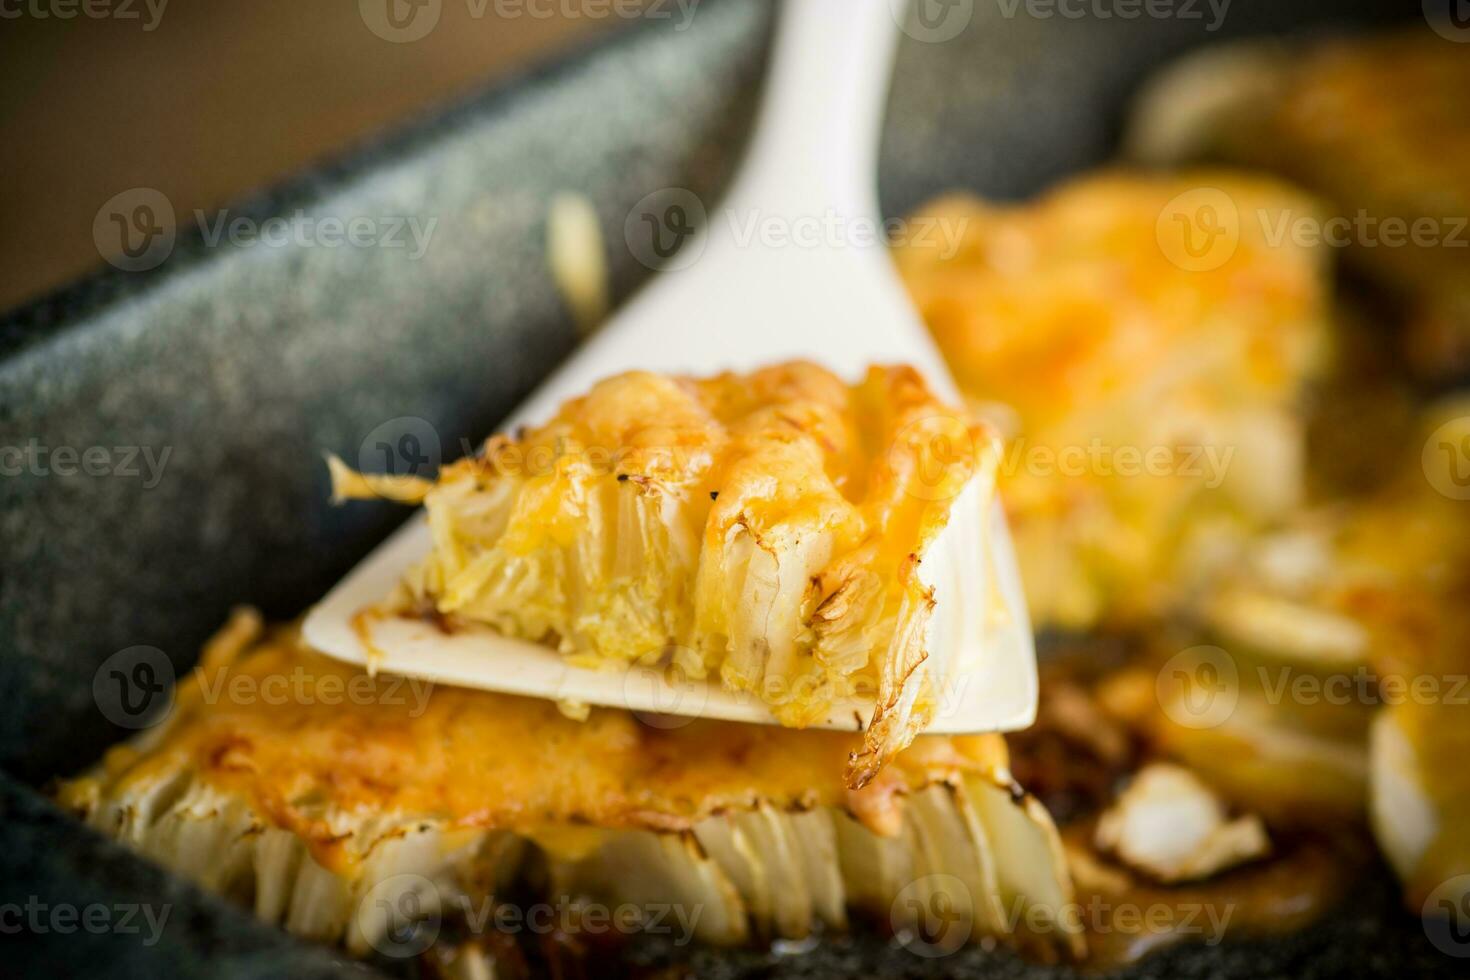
<point>1419,623</point>
<point>1348,631</point>
<point>1146,357</point>
<point>1374,124</point>
<point>326,799</point>
<point>799,539</point>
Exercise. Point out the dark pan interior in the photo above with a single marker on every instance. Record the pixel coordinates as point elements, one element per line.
<point>243,364</point>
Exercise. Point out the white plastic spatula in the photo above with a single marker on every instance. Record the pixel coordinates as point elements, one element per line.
<point>787,267</point>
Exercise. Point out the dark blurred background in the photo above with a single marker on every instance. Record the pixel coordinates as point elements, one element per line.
<point>206,100</point>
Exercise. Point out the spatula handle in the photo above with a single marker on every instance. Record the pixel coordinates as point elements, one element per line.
<point>815,143</point>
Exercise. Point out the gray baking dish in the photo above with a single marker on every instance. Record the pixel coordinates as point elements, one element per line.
<point>244,363</point>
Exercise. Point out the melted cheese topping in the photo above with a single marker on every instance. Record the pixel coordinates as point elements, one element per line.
<point>311,741</point>
<point>1125,327</point>
<point>1378,124</point>
<point>765,529</point>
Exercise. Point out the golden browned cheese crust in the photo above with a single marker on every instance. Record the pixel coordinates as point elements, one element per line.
<point>1376,125</point>
<point>305,739</point>
<point>1379,125</point>
<point>1144,342</point>
<point>766,530</point>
